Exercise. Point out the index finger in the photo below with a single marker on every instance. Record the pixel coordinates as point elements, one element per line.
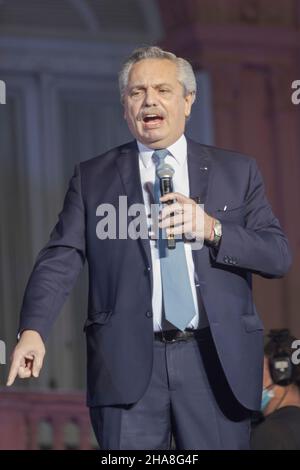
<point>170,210</point>
<point>13,371</point>
<point>178,196</point>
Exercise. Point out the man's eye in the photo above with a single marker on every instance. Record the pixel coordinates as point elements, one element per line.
<point>164,90</point>
<point>136,93</point>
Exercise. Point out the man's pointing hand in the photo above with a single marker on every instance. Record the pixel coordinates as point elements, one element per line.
<point>27,357</point>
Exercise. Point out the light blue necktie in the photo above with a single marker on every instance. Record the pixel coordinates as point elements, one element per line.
<point>178,302</point>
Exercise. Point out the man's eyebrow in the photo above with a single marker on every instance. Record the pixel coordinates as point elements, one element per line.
<point>163,84</point>
<point>157,85</point>
<point>138,85</point>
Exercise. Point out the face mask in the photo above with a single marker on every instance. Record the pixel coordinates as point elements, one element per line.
<point>267,396</point>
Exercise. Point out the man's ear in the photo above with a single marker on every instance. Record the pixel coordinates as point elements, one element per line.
<point>189,100</point>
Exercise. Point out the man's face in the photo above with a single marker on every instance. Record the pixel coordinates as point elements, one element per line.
<point>154,104</point>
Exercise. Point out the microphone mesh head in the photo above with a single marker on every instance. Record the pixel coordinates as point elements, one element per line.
<point>165,170</point>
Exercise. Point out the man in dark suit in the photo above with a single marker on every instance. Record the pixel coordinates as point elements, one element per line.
<point>174,342</point>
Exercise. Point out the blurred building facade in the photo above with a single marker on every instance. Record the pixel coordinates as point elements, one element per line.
<point>60,60</point>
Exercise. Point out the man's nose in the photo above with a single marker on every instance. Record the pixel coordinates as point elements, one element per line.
<point>150,97</point>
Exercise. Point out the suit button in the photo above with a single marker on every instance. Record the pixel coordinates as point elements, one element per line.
<point>148,269</point>
<point>148,314</point>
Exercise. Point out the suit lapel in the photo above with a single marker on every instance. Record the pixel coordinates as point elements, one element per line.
<point>199,169</point>
<point>128,165</point>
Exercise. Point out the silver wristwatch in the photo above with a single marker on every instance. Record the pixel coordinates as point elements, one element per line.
<point>217,233</point>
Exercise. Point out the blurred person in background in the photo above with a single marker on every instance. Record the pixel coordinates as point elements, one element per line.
<point>279,426</point>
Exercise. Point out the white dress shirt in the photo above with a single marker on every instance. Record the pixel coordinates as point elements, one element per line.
<point>178,160</point>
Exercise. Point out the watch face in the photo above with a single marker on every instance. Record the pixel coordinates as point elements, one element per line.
<point>218,229</point>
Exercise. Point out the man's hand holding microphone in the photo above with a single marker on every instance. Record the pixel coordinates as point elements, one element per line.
<point>185,217</point>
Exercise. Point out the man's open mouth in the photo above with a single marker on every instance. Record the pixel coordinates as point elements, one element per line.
<point>152,119</point>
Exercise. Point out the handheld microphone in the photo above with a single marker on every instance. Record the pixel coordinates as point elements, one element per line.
<point>165,173</point>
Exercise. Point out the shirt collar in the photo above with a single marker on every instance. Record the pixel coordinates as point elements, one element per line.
<point>178,150</point>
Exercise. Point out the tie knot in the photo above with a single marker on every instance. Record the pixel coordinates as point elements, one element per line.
<point>159,155</point>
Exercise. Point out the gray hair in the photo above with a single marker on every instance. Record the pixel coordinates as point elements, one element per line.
<point>185,71</point>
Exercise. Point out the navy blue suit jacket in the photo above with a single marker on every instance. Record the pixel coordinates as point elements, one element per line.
<point>119,326</point>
